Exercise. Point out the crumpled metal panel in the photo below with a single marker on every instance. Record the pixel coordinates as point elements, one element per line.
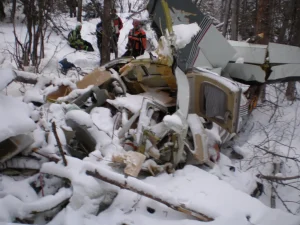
<point>209,40</point>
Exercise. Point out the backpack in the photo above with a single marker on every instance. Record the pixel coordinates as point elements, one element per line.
<point>65,66</point>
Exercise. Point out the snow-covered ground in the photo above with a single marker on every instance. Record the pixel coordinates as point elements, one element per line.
<point>271,135</point>
<point>222,194</point>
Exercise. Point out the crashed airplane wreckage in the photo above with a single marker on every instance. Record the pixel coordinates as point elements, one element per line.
<point>183,95</point>
<point>168,122</point>
<point>178,107</point>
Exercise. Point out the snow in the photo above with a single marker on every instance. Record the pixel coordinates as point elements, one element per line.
<point>184,33</point>
<point>191,186</point>
<point>131,102</point>
<point>74,94</point>
<point>15,119</point>
<point>278,134</point>
<point>103,120</point>
<point>81,117</point>
<point>10,211</point>
<point>6,76</point>
<point>173,121</point>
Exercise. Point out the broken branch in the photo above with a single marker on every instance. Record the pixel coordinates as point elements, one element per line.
<point>59,144</point>
<point>275,154</point>
<point>274,178</point>
<point>51,159</point>
<point>134,188</point>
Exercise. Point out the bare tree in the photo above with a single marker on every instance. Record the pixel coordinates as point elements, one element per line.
<point>31,50</point>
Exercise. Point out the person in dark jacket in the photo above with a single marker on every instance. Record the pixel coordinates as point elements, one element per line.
<point>99,30</point>
<point>72,4</point>
<point>137,41</point>
<point>77,42</point>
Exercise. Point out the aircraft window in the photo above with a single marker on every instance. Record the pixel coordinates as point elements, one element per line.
<point>214,101</point>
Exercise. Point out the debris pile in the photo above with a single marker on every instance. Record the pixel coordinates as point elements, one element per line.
<point>138,117</point>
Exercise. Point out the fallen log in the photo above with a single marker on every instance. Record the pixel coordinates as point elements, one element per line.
<point>26,77</point>
<point>137,187</point>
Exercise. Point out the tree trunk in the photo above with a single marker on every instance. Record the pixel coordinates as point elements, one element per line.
<point>13,10</point>
<point>263,20</point>
<point>263,26</point>
<point>287,17</point>
<point>290,91</point>
<point>222,11</point>
<point>234,20</point>
<point>107,32</point>
<point>293,12</point>
<point>226,17</point>
<point>79,13</point>
<point>2,13</point>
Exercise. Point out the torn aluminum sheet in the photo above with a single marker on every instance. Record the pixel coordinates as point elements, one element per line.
<point>251,53</point>
<point>245,73</point>
<point>183,92</point>
<point>199,138</point>
<point>98,96</point>
<point>148,110</point>
<point>82,135</point>
<point>283,54</point>
<point>291,72</point>
<point>14,145</point>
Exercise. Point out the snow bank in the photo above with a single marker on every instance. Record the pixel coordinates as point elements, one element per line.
<point>191,186</point>
<point>13,207</point>
<point>204,192</point>
<point>14,117</point>
<point>6,76</point>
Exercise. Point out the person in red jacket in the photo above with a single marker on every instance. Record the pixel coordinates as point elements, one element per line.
<point>137,41</point>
